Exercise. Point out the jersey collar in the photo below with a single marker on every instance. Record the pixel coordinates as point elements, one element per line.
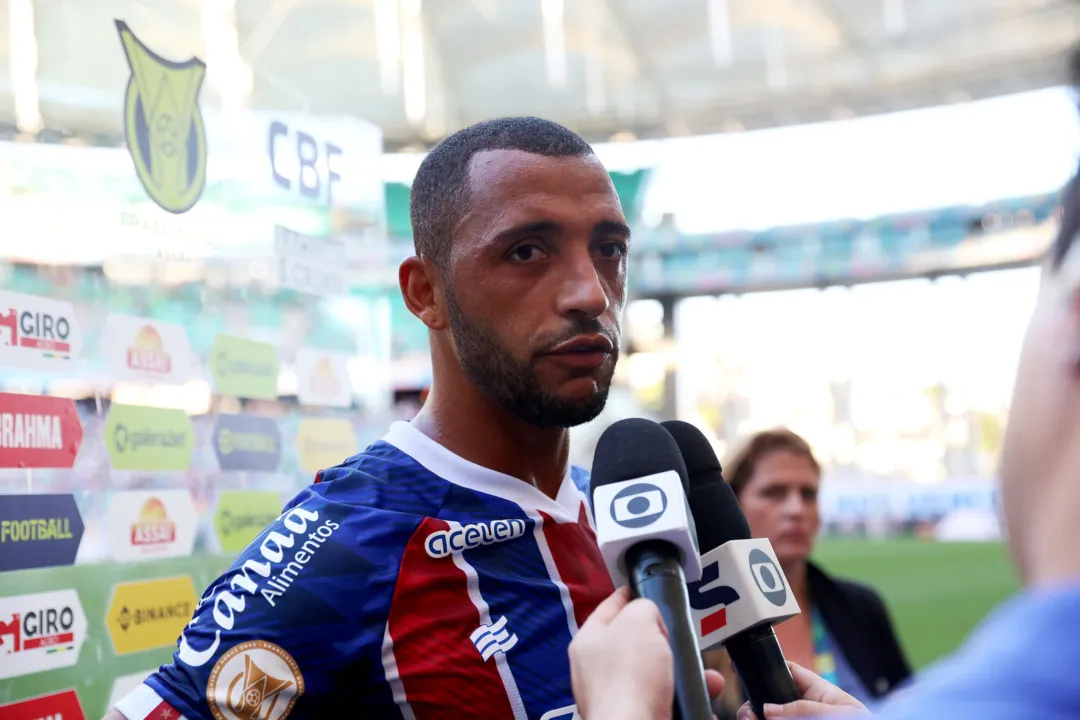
<point>456,469</point>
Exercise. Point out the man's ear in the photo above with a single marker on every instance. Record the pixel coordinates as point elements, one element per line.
<point>421,287</point>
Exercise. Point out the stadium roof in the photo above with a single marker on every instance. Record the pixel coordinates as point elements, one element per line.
<point>617,68</point>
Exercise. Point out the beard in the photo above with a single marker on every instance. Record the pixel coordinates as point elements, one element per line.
<point>514,384</point>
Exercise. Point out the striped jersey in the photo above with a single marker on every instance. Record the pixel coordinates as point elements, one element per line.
<point>406,582</point>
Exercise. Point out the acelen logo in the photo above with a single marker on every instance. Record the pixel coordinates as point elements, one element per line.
<point>58,706</point>
<point>715,598</point>
<point>38,431</point>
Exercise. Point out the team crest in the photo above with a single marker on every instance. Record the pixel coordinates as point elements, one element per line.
<point>162,124</point>
<point>255,680</point>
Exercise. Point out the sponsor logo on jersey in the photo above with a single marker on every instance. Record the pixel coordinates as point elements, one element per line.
<point>255,680</point>
<point>493,638</point>
<point>468,537</point>
<point>564,713</point>
<point>40,632</point>
<point>287,547</point>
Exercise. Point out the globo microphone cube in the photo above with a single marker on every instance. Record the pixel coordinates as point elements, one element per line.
<point>742,586</point>
<point>646,508</point>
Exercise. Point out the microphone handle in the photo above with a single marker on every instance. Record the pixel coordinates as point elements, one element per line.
<point>761,666</point>
<point>655,574</point>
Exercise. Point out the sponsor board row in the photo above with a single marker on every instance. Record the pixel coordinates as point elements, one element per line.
<point>45,432</point>
<point>46,631</point>
<point>44,530</point>
<point>40,333</point>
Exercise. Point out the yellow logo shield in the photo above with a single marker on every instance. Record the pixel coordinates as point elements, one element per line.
<point>162,124</point>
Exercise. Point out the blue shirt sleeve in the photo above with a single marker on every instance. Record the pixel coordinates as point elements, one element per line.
<point>300,613</point>
<point>1020,663</point>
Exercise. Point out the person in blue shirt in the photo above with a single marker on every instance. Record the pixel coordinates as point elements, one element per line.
<point>1022,661</point>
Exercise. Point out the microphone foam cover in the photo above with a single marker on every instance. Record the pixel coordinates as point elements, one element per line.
<point>717,516</point>
<point>634,448</point>
<point>702,465</point>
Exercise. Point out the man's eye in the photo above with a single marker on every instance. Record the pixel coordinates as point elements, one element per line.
<point>525,253</point>
<point>613,249</point>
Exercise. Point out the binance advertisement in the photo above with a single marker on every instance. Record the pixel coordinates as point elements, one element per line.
<point>191,326</point>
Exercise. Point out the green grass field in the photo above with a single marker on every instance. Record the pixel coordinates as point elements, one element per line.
<point>936,592</point>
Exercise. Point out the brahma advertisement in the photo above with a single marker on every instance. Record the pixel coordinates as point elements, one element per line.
<point>37,431</point>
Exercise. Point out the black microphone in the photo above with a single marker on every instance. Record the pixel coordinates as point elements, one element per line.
<point>647,538</point>
<point>740,614</point>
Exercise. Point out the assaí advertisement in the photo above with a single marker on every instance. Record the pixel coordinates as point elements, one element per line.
<point>144,349</point>
<point>145,524</point>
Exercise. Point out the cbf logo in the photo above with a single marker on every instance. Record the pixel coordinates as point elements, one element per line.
<point>162,124</point>
<point>639,505</point>
<point>769,579</point>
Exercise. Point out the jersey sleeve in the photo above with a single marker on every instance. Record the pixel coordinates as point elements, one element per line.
<point>302,607</point>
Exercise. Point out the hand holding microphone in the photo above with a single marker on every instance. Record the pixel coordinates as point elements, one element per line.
<point>818,696</point>
<point>742,592</point>
<point>647,538</point>
<point>621,664</point>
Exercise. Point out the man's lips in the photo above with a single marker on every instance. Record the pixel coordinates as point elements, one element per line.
<point>585,352</point>
<point>582,344</point>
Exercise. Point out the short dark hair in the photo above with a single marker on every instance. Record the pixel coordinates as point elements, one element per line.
<point>1070,197</point>
<point>440,191</point>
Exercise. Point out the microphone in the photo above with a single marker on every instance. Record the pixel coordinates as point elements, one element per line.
<point>742,592</point>
<point>647,538</point>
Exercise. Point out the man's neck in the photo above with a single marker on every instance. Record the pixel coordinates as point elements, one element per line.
<point>473,427</point>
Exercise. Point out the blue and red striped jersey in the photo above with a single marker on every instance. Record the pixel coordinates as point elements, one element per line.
<point>407,582</point>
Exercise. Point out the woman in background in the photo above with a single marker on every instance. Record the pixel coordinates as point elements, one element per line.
<point>844,632</point>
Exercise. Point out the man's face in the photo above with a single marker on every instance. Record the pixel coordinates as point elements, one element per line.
<point>536,284</point>
<point>1044,417</point>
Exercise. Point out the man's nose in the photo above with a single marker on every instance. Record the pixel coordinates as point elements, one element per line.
<point>582,290</point>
